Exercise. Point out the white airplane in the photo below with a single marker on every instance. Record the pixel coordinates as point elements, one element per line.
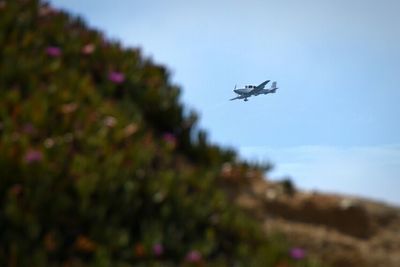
<point>252,90</point>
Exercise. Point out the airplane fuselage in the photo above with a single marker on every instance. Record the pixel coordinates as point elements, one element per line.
<point>244,91</point>
<point>266,91</point>
<point>250,92</point>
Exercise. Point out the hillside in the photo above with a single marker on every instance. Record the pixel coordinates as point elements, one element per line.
<point>102,165</point>
<point>342,231</point>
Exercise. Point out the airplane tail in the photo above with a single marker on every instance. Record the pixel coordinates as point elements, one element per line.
<point>273,87</point>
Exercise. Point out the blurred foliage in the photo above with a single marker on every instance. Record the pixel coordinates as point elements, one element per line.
<point>100,163</point>
<point>288,186</point>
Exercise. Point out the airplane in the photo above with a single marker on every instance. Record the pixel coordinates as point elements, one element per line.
<point>252,90</point>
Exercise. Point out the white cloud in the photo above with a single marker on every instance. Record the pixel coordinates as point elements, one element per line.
<point>371,171</point>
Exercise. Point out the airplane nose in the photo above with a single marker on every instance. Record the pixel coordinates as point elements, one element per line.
<point>236,91</point>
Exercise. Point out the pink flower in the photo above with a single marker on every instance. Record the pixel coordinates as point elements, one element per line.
<point>116,77</point>
<point>297,253</point>
<point>193,256</point>
<point>130,129</point>
<point>53,51</point>
<point>33,156</point>
<point>88,49</point>
<point>158,249</point>
<point>110,121</point>
<point>169,138</point>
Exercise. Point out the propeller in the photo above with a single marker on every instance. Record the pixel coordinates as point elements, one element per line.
<point>235,87</point>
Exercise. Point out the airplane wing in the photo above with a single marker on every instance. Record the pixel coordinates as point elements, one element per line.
<point>262,85</point>
<point>241,97</point>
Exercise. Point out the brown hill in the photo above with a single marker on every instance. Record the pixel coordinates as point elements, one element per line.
<point>339,230</point>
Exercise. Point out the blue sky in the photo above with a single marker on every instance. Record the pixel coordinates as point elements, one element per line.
<point>334,123</point>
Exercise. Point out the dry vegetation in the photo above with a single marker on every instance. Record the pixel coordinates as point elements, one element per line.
<point>341,231</point>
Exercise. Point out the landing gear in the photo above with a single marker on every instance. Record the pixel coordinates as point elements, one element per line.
<point>246,99</point>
